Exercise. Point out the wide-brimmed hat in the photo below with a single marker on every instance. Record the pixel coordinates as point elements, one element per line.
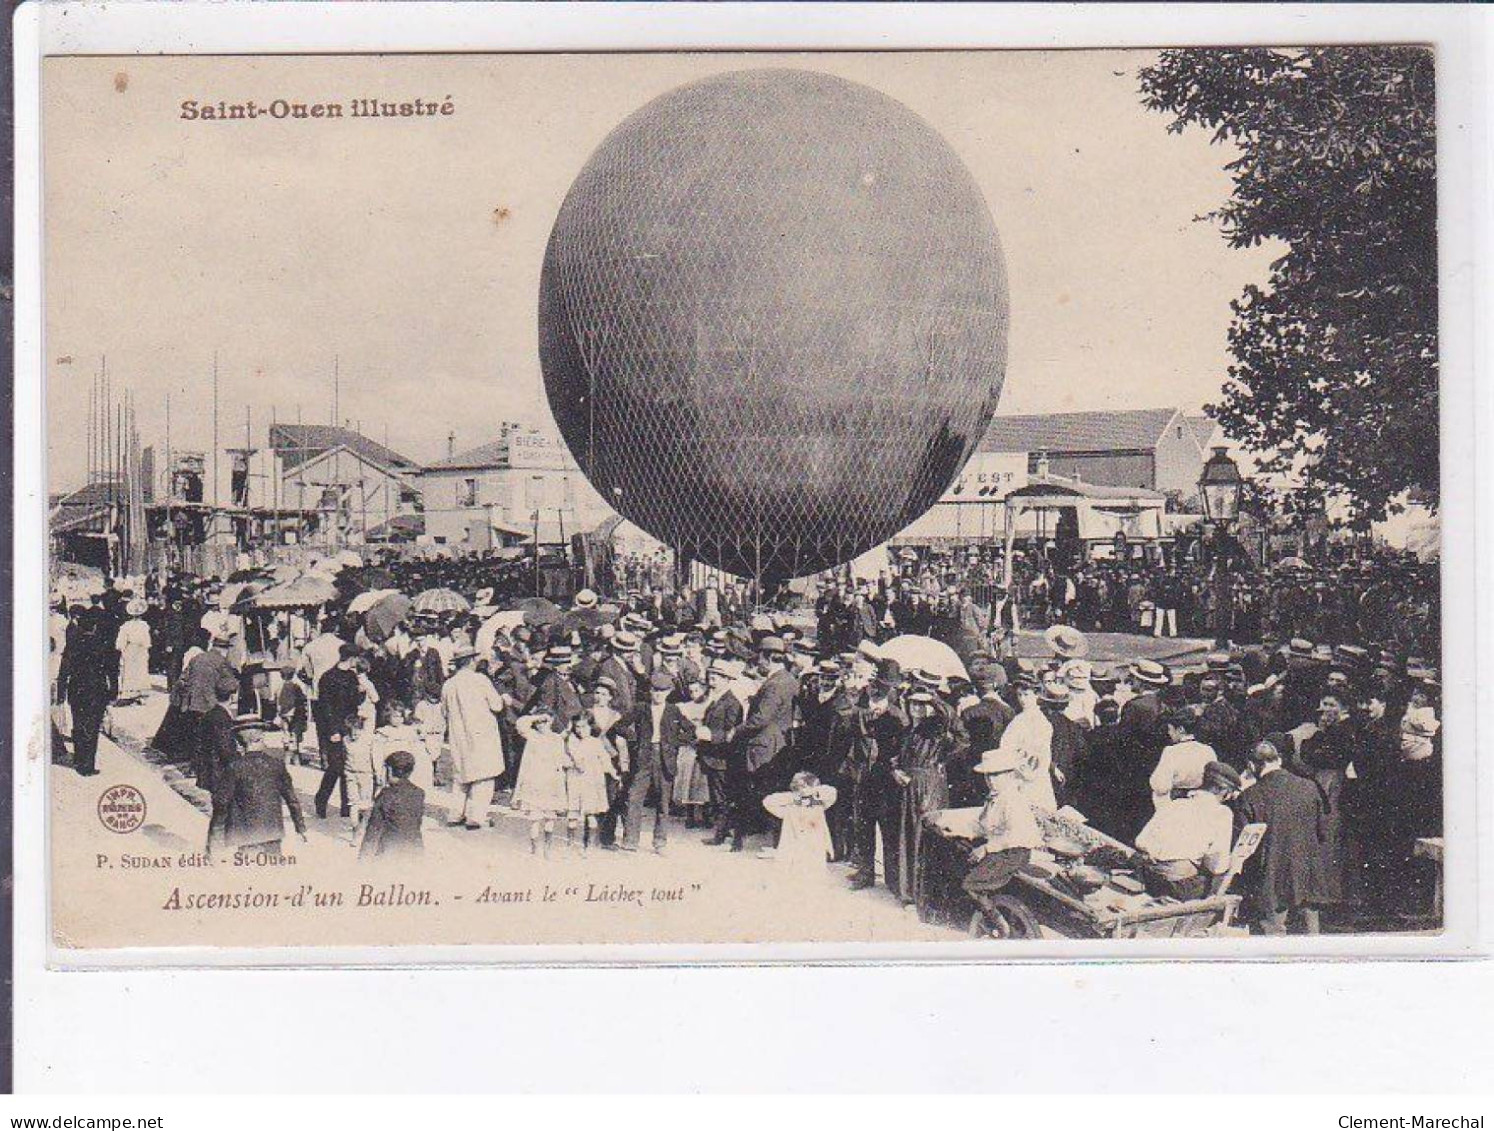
<point>625,642</point>
<point>1150,672</point>
<point>586,599</point>
<point>462,652</point>
<point>560,656</point>
<point>999,761</point>
<point>671,645</point>
<point>135,607</point>
<point>1217,661</point>
<point>1300,647</point>
<point>772,645</point>
<point>1067,641</point>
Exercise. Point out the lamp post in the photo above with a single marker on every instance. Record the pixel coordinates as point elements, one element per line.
<point>1221,487</point>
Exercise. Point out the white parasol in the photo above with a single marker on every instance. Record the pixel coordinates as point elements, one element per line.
<point>499,622</point>
<point>365,601</point>
<point>925,654</point>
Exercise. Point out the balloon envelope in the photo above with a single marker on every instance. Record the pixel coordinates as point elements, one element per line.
<point>773,319</point>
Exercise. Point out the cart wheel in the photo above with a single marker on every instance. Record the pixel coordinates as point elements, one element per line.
<point>1007,918</point>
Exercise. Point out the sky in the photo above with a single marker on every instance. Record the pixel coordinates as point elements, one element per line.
<point>407,252</point>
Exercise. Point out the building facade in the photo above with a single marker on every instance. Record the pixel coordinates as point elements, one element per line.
<point>500,492</point>
<point>1153,449</point>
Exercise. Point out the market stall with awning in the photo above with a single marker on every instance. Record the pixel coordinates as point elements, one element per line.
<point>1101,512</point>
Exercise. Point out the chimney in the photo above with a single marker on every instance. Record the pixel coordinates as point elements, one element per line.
<point>450,444</point>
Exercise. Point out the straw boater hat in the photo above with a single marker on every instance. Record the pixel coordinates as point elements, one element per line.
<point>586,599</point>
<point>1217,661</point>
<point>1151,672</point>
<point>625,642</point>
<point>1053,692</point>
<point>1300,648</point>
<point>560,656</point>
<point>1066,641</point>
<point>928,681</point>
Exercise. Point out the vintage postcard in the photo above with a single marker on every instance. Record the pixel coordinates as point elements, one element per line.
<point>954,500</point>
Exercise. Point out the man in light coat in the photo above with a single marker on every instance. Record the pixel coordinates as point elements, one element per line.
<point>471,705</point>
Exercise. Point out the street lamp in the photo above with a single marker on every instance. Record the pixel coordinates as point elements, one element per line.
<point>1221,486</point>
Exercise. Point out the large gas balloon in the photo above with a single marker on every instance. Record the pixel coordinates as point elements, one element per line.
<point>773,319</point>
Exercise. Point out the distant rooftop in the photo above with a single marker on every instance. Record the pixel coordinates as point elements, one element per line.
<point>94,494</point>
<point>297,443</point>
<point>1125,430</point>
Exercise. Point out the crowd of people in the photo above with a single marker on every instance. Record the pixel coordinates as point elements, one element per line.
<point>614,725</point>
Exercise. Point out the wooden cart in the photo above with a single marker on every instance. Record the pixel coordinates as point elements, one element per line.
<point>1033,904</point>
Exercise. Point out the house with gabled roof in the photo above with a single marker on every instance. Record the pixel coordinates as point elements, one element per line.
<point>1153,449</point>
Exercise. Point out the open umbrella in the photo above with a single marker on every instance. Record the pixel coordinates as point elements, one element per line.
<point>237,593</point>
<point>441,601</point>
<point>385,615</point>
<point>925,654</point>
<point>538,611</point>
<point>304,592</point>
<point>348,560</point>
<point>365,601</point>
<point>490,628</point>
<point>1292,563</point>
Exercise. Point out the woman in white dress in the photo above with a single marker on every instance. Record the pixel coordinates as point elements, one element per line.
<point>133,643</point>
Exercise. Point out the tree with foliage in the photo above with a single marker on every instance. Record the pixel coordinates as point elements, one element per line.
<point>1335,360</point>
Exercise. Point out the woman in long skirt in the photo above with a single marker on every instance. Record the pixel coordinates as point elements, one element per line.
<point>692,792</point>
<point>133,644</point>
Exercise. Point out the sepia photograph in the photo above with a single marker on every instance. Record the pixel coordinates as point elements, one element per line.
<point>959,499</point>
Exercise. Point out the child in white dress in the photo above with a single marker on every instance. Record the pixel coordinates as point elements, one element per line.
<point>804,843</point>
<point>541,789</point>
<point>586,780</point>
<point>361,772</point>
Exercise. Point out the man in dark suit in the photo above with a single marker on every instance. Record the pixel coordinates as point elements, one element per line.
<point>983,722</point>
<point>394,823</point>
<point>621,667</point>
<point>658,732</point>
<point>338,697</point>
<point>249,800</point>
<point>87,680</point>
<point>770,719</point>
<point>716,741</point>
<point>217,746</point>
<point>1284,881</point>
